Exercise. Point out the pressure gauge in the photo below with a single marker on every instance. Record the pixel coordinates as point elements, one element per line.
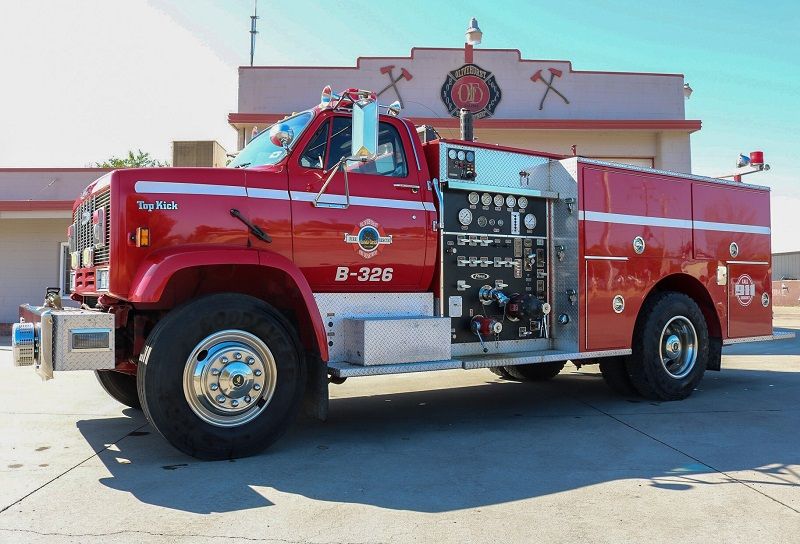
<point>530,221</point>
<point>470,156</point>
<point>482,221</point>
<point>452,153</point>
<point>474,198</point>
<point>511,201</point>
<point>498,200</point>
<point>523,202</point>
<point>461,155</point>
<point>465,217</point>
<point>486,199</point>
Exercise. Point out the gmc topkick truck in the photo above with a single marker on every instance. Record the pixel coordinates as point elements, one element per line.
<point>346,242</point>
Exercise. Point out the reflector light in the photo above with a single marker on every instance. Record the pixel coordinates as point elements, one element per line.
<point>142,237</point>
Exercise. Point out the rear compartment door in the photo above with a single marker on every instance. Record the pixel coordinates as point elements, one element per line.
<point>749,307</point>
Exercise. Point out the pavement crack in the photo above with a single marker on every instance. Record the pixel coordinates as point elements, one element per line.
<point>690,456</point>
<point>71,468</point>
<point>169,535</point>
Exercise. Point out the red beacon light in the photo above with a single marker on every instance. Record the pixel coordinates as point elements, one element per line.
<point>748,164</point>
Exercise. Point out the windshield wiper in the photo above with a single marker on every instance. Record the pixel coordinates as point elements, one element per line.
<point>243,165</point>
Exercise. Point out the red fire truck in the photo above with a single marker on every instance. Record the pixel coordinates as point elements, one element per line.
<point>347,242</point>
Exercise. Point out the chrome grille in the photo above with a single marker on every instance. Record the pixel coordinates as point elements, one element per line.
<point>83,230</point>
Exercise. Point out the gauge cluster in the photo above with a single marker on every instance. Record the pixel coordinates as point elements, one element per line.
<point>461,164</point>
<point>495,213</point>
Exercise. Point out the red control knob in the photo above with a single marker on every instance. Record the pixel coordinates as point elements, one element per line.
<point>485,325</point>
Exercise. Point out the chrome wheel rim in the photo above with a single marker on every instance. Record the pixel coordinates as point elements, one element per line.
<point>678,347</point>
<point>229,378</point>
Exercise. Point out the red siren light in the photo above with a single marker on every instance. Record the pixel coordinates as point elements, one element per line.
<point>756,157</point>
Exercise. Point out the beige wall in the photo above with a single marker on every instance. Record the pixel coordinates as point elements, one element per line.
<point>198,153</point>
<point>30,250</point>
<point>591,95</point>
<point>668,150</point>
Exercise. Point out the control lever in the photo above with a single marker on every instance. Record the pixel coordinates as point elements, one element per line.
<point>482,326</point>
<point>489,294</point>
<point>572,295</point>
<point>560,253</point>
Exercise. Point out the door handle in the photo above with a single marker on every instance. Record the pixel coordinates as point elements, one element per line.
<point>414,188</point>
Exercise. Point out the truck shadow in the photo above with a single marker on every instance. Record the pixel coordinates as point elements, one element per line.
<point>438,450</point>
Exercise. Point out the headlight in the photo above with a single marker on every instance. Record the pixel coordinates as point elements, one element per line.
<point>101,279</point>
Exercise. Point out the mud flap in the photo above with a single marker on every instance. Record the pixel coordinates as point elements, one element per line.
<point>714,353</point>
<point>315,401</point>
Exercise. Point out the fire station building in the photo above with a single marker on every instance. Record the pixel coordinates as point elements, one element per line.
<point>636,118</point>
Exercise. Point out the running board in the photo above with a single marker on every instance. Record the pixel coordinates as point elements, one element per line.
<point>776,335</point>
<point>347,370</point>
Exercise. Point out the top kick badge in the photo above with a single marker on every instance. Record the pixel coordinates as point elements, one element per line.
<point>157,205</point>
<point>367,238</point>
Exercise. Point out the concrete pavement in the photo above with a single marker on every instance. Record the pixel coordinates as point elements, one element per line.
<point>438,457</point>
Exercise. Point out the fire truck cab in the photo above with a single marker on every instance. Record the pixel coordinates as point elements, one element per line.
<point>342,242</point>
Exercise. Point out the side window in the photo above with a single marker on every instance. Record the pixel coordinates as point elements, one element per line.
<point>390,160</point>
<point>314,154</point>
<point>340,141</point>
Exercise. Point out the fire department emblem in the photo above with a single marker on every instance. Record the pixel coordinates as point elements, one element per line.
<point>472,88</point>
<point>745,290</point>
<point>367,238</point>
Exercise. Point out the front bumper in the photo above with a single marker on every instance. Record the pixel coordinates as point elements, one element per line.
<point>66,339</point>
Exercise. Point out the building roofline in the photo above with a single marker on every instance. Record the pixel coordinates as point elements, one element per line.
<point>686,125</point>
<point>34,205</point>
<point>414,49</point>
<point>55,170</point>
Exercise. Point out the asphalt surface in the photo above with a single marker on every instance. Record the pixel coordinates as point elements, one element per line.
<point>449,456</point>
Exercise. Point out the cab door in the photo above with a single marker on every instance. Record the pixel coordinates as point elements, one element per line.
<point>375,239</point>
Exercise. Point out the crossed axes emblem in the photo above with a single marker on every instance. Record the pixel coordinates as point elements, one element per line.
<point>553,74</point>
<point>404,74</point>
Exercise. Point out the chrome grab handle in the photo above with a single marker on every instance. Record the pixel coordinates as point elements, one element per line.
<point>414,188</point>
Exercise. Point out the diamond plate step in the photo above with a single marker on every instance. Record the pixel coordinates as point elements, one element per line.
<point>398,339</point>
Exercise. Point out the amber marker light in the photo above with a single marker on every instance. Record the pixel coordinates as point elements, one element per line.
<point>142,236</point>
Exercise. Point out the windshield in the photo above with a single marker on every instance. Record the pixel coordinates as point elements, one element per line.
<point>261,150</point>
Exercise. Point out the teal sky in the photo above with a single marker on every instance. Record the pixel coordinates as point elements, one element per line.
<point>741,58</point>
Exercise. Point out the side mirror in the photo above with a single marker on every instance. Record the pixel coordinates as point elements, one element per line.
<point>365,129</point>
<point>281,135</point>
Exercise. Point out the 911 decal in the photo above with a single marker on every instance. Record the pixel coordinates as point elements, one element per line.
<point>364,273</point>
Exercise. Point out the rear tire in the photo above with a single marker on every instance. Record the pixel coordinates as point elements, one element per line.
<point>670,348</point>
<point>222,376</point>
<point>615,374</point>
<point>122,387</point>
<point>538,372</point>
<point>501,371</point>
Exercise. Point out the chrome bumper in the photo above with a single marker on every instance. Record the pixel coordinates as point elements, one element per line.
<point>68,339</point>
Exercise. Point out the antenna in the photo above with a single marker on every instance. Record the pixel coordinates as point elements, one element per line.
<point>253,31</point>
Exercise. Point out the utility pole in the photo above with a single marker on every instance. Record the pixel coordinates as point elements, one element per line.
<point>253,31</point>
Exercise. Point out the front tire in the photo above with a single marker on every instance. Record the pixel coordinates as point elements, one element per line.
<point>222,376</point>
<point>670,348</point>
<point>122,387</point>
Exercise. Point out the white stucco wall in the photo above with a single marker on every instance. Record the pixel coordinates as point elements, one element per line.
<point>30,249</point>
<point>592,95</point>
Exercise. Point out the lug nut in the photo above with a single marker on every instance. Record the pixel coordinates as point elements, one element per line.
<point>256,386</point>
<point>247,398</point>
<point>234,403</point>
<point>257,373</point>
<point>237,355</point>
<point>223,360</point>
<point>250,360</point>
<point>221,399</point>
<point>215,372</point>
<point>214,387</point>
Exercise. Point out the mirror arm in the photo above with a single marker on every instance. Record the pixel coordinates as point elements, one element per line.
<point>337,166</point>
